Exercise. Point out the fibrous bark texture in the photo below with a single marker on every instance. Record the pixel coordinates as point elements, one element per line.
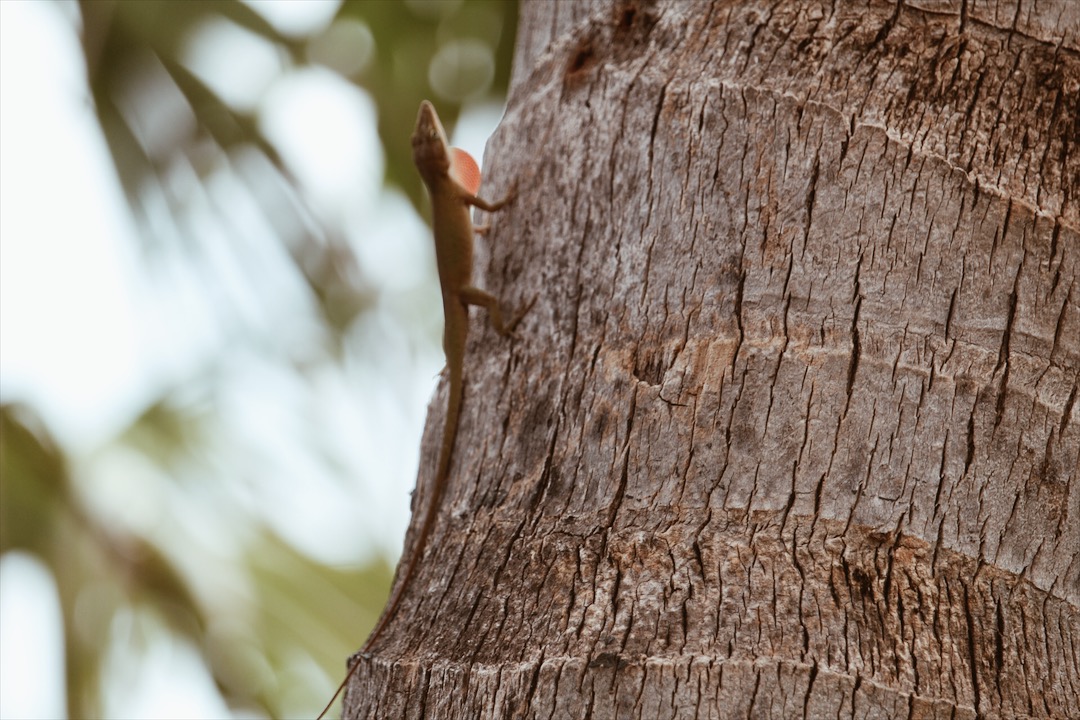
<point>793,428</point>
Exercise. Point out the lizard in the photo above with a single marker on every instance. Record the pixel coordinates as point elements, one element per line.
<point>452,179</point>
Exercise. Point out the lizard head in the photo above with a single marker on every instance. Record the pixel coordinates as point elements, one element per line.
<point>431,151</point>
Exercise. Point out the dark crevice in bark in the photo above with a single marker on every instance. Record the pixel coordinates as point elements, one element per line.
<point>999,645</point>
<point>949,315</point>
<point>1067,415</point>
<point>1055,236</point>
<point>1059,326</point>
<point>969,458</point>
<point>853,363</point>
<point>738,314</point>
<point>811,193</point>
<point>889,24</point>
<point>1004,354</point>
<point>973,661</point>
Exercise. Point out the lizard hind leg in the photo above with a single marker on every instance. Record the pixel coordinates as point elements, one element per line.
<point>476,296</point>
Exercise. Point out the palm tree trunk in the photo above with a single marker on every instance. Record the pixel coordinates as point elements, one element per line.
<point>792,430</point>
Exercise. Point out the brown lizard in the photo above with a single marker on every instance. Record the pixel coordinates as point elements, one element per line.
<point>452,179</point>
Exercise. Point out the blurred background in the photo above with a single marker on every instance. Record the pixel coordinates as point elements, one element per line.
<point>220,328</point>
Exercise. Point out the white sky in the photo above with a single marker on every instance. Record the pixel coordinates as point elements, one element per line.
<point>51,307</point>
<point>81,339</point>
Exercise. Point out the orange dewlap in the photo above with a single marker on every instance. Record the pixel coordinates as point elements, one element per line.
<point>464,170</point>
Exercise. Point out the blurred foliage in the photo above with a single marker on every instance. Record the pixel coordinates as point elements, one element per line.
<point>292,611</point>
<point>42,513</point>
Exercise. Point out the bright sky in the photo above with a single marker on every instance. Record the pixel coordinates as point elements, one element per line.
<point>52,150</point>
<point>83,344</point>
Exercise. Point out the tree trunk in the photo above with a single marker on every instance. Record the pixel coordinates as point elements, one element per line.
<point>792,430</point>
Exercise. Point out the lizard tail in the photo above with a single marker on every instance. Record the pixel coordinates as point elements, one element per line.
<point>453,411</point>
<point>457,326</point>
<point>427,522</point>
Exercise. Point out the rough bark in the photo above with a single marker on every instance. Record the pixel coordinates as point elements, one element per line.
<point>793,428</point>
